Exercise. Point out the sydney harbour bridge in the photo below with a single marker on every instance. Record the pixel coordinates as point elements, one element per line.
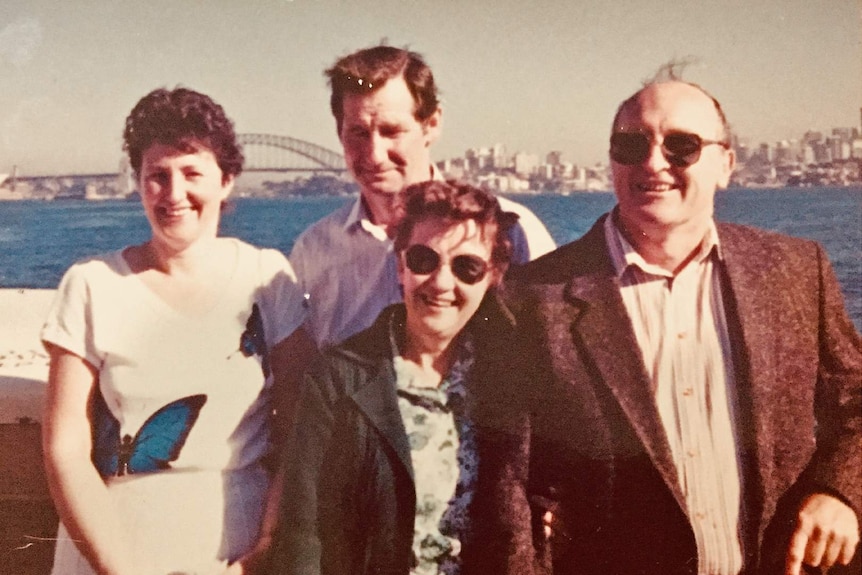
<point>263,153</point>
<point>270,153</point>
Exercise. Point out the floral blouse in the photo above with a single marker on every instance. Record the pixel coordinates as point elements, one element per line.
<point>443,453</point>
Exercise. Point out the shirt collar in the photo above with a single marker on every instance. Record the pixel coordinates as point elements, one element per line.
<point>359,217</point>
<point>436,175</point>
<point>624,255</point>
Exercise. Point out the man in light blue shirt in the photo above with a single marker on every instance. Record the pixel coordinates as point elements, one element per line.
<point>388,115</point>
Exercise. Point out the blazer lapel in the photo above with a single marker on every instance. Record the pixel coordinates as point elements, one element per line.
<point>749,306</point>
<point>378,400</point>
<point>602,329</point>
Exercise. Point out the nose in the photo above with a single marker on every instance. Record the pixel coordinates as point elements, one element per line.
<point>655,160</point>
<point>442,278</point>
<point>378,149</point>
<point>175,189</point>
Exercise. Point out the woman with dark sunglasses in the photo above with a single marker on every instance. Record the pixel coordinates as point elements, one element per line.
<point>382,465</point>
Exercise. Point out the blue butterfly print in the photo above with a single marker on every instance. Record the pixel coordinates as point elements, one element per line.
<point>252,341</point>
<point>155,445</point>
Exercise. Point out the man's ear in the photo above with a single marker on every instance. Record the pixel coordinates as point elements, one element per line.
<point>401,268</point>
<point>728,164</point>
<point>432,127</point>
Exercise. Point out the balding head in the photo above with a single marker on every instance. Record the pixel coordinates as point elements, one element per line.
<point>670,155</point>
<point>659,85</point>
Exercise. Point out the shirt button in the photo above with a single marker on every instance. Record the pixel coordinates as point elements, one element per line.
<point>691,453</point>
<point>681,335</point>
<point>688,392</point>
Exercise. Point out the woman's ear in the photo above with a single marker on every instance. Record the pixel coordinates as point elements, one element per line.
<point>227,184</point>
<point>497,274</point>
<point>399,257</point>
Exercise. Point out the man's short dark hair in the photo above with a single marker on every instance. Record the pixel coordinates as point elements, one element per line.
<point>456,201</point>
<point>182,119</point>
<point>369,69</point>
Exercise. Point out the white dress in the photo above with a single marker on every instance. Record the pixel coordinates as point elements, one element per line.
<point>206,508</point>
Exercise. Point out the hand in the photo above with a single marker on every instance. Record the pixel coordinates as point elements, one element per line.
<point>547,524</point>
<point>827,532</point>
<point>252,563</point>
<point>555,528</point>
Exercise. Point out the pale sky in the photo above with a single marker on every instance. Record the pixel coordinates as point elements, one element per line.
<point>535,75</point>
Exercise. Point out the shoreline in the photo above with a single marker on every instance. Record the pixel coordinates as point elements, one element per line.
<point>7,195</point>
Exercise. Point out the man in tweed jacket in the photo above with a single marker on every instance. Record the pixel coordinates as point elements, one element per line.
<point>687,393</point>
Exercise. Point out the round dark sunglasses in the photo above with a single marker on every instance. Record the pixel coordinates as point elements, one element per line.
<point>680,149</point>
<point>422,260</point>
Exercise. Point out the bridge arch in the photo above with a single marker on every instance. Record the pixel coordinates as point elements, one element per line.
<point>319,159</point>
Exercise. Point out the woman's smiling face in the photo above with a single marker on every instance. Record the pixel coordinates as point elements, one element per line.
<point>182,192</point>
<point>439,304</point>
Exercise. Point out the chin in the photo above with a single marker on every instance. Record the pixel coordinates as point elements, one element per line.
<point>437,326</point>
<point>651,215</point>
<point>384,190</point>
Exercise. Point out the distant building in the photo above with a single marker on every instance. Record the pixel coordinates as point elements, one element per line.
<point>525,163</point>
<point>499,159</point>
<point>843,134</point>
<point>811,136</point>
<point>125,178</point>
<point>783,153</point>
<point>808,155</point>
<point>743,153</point>
<point>554,158</point>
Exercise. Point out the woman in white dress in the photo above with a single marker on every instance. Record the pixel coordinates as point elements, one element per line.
<point>169,363</point>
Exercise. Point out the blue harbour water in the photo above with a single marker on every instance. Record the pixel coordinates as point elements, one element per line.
<point>39,240</point>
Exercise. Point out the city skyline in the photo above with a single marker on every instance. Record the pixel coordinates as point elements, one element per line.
<point>739,139</point>
<point>536,76</point>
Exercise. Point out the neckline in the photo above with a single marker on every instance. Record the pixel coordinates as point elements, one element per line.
<point>166,309</point>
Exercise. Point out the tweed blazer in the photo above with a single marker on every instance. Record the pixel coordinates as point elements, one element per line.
<point>596,446</point>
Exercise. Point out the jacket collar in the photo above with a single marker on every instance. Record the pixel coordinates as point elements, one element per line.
<point>377,397</point>
<point>601,327</point>
<point>750,303</point>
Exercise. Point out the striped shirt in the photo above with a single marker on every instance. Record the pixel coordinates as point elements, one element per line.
<point>680,324</point>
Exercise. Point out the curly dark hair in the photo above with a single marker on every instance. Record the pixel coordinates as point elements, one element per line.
<point>366,70</point>
<point>456,201</point>
<point>183,119</point>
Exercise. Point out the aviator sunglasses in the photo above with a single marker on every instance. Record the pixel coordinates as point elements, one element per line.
<point>680,149</point>
<point>422,260</point>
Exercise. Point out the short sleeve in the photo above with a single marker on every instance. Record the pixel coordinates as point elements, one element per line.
<point>530,238</point>
<point>297,260</point>
<point>70,320</point>
<point>282,298</point>
<point>520,245</point>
